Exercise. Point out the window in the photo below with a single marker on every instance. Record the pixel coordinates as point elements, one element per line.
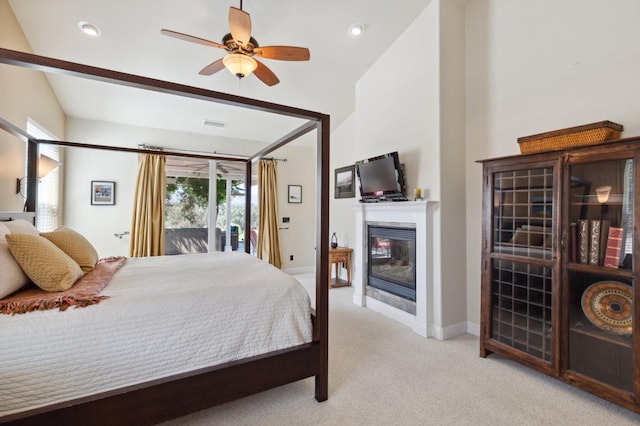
<point>47,211</point>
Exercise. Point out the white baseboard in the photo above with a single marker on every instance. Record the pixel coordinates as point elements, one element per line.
<point>451,331</point>
<point>473,328</point>
<point>428,330</point>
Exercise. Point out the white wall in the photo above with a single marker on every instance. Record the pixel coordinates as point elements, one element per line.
<point>298,239</point>
<point>24,94</point>
<point>452,234</point>
<point>99,223</point>
<point>397,104</point>
<point>413,102</point>
<point>341,219</point>
<point>536,66</point>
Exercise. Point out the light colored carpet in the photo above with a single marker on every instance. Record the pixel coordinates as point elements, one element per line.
<point>381,373</point>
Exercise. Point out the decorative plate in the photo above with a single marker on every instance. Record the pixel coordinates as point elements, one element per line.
<point>609,306</point>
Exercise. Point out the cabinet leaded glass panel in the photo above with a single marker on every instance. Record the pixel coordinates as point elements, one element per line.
<point>521,290</point>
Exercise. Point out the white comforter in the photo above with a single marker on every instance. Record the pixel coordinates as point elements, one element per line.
<point>166,315</point>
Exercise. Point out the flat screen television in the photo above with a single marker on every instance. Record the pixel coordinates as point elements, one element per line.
<point>381,178</point>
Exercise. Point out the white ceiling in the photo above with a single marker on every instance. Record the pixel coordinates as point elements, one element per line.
<point>131,42</point>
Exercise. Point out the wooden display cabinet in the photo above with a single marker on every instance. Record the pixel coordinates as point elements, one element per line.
<point>558,266</point>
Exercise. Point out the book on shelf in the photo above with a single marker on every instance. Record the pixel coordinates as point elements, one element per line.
<point>583,241</point>
<point>573,236</point>
<point>614,244</point>
<point>594,241</point>
<point>604,237</point>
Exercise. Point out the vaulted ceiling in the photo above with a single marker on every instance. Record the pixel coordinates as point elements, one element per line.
<point>130,41</point>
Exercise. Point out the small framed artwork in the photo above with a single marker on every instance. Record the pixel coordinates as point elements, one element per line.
<point>295,193</point>
<point>345,178</point>
<point>103,193</point>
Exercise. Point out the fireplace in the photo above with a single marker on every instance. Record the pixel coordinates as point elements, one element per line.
<point>415,307</point>
<point>391,260</point>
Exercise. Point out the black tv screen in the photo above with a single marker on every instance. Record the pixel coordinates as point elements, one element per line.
<point>381,178</point>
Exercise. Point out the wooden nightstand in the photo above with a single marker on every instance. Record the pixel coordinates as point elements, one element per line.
<point>338,256</point>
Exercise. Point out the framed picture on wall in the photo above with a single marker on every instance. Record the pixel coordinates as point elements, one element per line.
<point>345,178</point>
<point>295,193</point>
<point>103,193</point>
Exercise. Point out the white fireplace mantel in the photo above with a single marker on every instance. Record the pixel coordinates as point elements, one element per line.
<point>400,213</point>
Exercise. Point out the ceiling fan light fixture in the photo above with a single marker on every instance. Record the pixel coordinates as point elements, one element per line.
<point>89,29</point>
<point>240,64</point>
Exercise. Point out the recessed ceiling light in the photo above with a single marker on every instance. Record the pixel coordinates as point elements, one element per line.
<point>356,29</point>
<point>89,29</point>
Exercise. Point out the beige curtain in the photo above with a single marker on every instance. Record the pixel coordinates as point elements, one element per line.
<point>147,226</point>
<point>268,232</point>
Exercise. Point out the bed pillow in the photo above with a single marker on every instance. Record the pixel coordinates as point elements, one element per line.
<point>21,226</point>
<point>75,246</point>
<point>44,263</point>
<point>11,276</point>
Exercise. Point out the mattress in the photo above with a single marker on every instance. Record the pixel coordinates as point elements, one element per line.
<point>165,315</point>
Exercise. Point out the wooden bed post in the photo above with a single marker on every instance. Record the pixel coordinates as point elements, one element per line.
<point>31,186</point>
<point>247,207</point>
<point>322,258</point>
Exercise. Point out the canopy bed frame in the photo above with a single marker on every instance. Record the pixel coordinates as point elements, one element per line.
<point>174,396</point>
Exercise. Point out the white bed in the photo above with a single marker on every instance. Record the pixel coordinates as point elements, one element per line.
<point>154,401</point>
<point>165,315</point>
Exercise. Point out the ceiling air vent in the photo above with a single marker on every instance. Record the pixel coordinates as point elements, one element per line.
<point>213,123</point>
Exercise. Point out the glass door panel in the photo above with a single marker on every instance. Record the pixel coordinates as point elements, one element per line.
<point>600,286</point>
<point>521,284</point>
<point>523,201</point>
<point>521,300</point>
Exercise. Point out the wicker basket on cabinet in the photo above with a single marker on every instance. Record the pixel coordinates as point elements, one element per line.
<point>572,137</point>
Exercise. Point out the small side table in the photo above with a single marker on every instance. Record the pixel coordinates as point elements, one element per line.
<point>338,256</point>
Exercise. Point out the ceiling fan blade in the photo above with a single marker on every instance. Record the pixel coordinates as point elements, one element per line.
<point>266,75</point>
<point>187,37</point>
<point>283,53</point>
<point>212,68</point>
<point>240,25</point>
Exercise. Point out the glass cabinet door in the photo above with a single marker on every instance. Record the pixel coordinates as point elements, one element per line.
<point>521,260</point>
<point>599,290</point>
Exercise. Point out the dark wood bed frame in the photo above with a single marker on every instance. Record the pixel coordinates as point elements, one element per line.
<point>174,396</point>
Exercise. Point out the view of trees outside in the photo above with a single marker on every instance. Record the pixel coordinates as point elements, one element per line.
<point>187,204</point>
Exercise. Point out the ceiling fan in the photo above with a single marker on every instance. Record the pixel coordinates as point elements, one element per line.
<point>243,48</point>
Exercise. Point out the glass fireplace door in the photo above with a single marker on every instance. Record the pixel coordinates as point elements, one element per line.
<point>391,260</point>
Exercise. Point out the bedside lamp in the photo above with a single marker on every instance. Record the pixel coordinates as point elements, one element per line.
<point>45,166</point>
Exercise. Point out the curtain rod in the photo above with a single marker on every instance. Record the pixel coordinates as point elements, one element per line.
<point>170,150</point>
<point>138,150</point>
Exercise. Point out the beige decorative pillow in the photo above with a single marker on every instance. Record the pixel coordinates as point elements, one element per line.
<point>75,246</point>
<point>44,263</point>
<point>21,226</point>
<point>11,276</point>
